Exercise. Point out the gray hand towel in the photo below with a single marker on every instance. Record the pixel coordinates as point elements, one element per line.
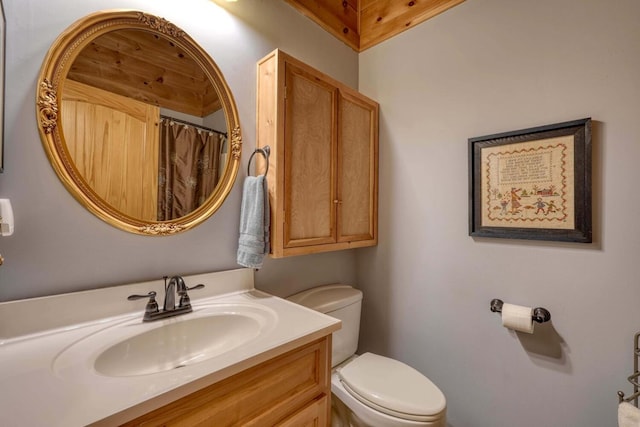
<point>254,222</point>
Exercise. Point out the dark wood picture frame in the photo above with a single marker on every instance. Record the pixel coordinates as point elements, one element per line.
<point>532,183</point>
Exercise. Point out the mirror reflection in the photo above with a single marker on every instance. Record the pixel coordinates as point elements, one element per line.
<point>119,93</point>
<point>143,125</point>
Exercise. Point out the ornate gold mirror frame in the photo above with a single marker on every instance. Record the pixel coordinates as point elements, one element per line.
<point>55,68</point>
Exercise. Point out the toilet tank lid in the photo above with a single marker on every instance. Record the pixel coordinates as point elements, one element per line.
<point>327,298</point>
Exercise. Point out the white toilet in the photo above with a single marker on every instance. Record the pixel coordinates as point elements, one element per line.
<point>370,390</point>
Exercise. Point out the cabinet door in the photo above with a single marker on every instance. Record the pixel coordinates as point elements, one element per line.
<point>357,168</point>
<point>310,147</point>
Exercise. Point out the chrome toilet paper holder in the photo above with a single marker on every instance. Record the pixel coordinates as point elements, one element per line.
<point>539,315</point>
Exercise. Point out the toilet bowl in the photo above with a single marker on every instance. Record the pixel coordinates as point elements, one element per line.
<point>370,390</point>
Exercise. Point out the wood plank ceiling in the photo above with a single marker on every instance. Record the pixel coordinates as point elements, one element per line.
<point>147,67</point>
<point>362,24</point>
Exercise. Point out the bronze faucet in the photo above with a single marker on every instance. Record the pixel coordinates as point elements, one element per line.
<point>176,286</point>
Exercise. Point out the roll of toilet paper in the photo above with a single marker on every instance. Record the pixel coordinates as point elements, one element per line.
<point>517,317</point>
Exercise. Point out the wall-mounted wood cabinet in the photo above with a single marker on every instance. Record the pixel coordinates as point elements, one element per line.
<point>323,168</point>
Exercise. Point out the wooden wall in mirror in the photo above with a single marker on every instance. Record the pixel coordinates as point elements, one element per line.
<point>138,122</point>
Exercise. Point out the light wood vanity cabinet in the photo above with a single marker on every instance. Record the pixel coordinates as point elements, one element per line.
<point>289,390</point>
<point>323,168</point>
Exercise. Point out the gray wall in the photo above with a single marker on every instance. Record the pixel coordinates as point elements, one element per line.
<point>484,67</point>
<point>58,246</point>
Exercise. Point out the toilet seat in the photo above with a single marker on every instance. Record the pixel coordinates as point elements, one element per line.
<point>393,388</point>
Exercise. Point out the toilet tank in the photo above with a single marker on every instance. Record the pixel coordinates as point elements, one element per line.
<point>342,302</point>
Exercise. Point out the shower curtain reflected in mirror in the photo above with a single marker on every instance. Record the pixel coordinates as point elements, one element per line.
<point>188,169</point>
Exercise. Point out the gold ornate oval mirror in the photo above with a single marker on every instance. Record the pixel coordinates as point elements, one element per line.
<point>138,122</point>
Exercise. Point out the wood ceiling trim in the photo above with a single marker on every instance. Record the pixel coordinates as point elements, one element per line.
<point>362,24</point>
<point>383,19</point>
<point>338,17</point>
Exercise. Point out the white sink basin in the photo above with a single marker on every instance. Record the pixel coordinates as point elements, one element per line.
<point>134,348</point>
<point>176,345</point>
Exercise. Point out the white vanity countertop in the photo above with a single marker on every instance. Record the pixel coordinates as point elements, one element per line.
<point>45,382</point>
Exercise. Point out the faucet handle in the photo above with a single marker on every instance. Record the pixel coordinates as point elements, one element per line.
<point>184,297</point>
<point>152,305</point>
<point>151,295</point>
